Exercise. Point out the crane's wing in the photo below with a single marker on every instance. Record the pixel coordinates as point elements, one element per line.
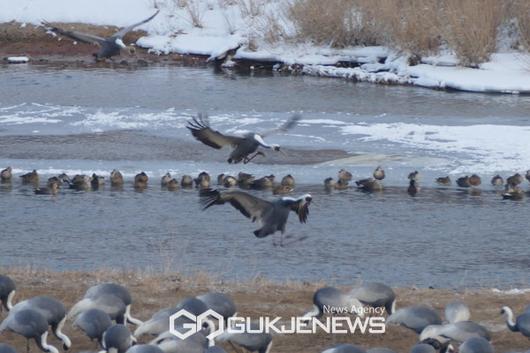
<point>289,124</point>
<point>250,206</point>
<point>200,129</point>
<point>75,35</point>
<point>122,32</point>
<point>301,207</point>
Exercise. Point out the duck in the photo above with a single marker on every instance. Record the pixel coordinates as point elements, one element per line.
<point>474,180</point>
<point>173,185</point>
<point>263,183</point>
<point>141,180</point>
<point>54,180</point>
<point>229,181</point>
<point>203,180</point>
<point>413,188</point>
<point>369,185</point>
<point>344,175</point>
<point>463,182</point>
<point>116,178</point>
<point>288,180</point>
<point>414,175</point>
<point>80,182</point>
<point>497,181</point>
<point>329,183</point>
<point>379,173</point>
<point>165,180</point>
<point>282,189</point>
<point>30,178</point>
<point>186,181</point>
<point>53,189</point>
<point>513,193</point>
<point>245,180</point>
<point>444,181</point>
<point>6,175</point>
<point>514,180</point>
<point>342,184</point>
<point>97,181</point>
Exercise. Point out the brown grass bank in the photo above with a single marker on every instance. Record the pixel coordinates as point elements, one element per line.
<point>257,297</point>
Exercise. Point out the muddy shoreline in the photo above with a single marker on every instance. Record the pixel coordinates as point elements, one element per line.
<point>152,290</point>
<point>43,48</point>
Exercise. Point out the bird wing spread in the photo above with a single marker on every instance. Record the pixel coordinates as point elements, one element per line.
<point>302,210</point>
<point>75,35</point>
<point>250,206</point>
<point>289,124</point>
<point>122,32</point>
<point>200,129</point>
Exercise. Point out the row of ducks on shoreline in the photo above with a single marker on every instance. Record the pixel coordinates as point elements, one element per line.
<point>80,182</point>
<point>105,310</point>
<point>512,188</point>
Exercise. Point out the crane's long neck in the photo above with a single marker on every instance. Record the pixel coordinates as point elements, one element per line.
<point>509,320</point>
<point>58,332</point>
<point>314,313</point>
<point>261,142</point>
<point>43,344</point>
<point>9,301</point>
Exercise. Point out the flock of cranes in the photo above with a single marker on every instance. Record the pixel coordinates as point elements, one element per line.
<point>104,315</point>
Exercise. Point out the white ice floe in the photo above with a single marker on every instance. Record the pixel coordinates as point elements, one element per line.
<point>218,26</point>
<point>514,291</point>
<point>17,59</point>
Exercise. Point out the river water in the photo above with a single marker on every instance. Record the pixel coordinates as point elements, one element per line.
<point>58,119</point>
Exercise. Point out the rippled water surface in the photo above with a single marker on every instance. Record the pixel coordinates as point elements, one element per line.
<point>84,121</point>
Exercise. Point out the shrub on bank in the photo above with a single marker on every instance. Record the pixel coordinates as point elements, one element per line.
<point>419,27</point>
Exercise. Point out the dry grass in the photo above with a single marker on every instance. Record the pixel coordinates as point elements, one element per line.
<point>418,27</point>
<point>332,23</point>
<point>472,29</point>
<point>196,12</point>
<point>411,26</point>
<point>521,11</point>
<point>250,8</point>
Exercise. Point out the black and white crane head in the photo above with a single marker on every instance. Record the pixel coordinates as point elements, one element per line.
<point>272,215</point>
<point>519,324</point>
<point>244,148</point>
<point>7,292</point>
<point>109,46</point>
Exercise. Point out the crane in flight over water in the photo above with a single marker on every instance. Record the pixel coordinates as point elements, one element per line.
<point>272,215</point>
<point>109,46</point>
<point>243,146</point>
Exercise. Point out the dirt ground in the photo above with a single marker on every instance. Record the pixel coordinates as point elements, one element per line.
<point>43,48</point>
<point>259,297</point>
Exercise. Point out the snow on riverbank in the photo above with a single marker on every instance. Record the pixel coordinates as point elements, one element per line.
<point>213,27</point>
